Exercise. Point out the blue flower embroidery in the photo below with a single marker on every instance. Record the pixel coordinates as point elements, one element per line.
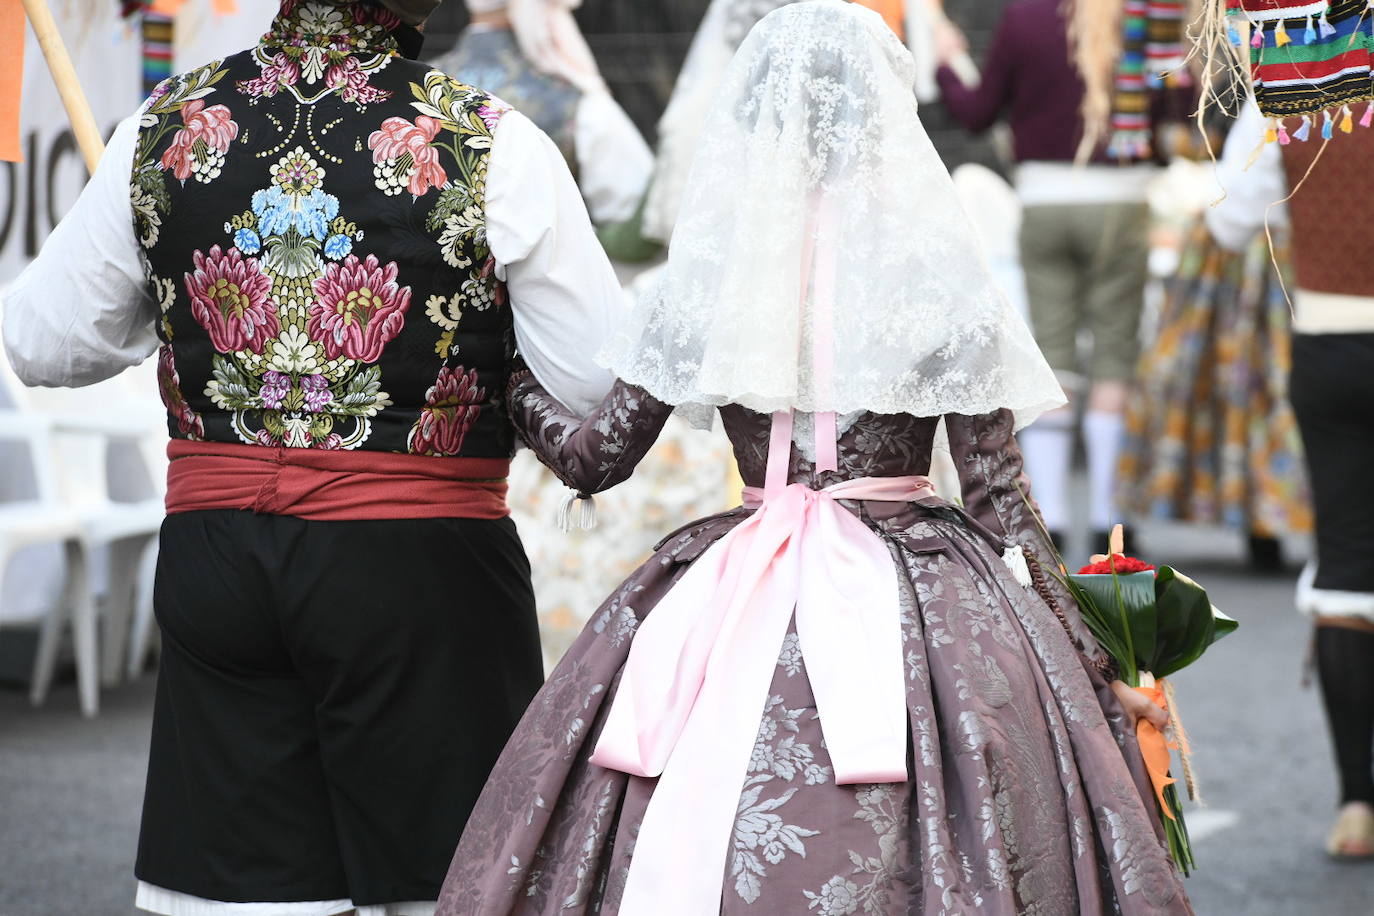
<point>338,246</point>
<point>309,214</point>
<point>247,241</point>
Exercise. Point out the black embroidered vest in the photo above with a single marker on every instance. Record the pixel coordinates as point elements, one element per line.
<point>312,215</point>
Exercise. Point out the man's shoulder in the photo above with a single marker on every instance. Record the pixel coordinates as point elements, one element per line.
<point>440,95</point>
<point>200,81</point>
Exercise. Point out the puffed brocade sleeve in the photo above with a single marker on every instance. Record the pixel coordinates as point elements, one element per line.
<point>997,494</point>
<point>589,455</point>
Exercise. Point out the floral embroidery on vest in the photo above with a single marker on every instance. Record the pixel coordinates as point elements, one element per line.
<point>315,49</point>
<point>456,121</point>
<point>297,306</point>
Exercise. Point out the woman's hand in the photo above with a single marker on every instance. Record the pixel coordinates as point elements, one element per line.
<point>1138,706</point>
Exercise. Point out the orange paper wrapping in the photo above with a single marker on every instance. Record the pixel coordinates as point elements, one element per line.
<point>1154,747</point>
<point>11,77</point>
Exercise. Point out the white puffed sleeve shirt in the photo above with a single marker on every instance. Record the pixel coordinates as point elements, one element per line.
<point>81,312</point>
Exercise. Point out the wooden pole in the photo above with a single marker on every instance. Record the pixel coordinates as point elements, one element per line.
<point>68,85</point>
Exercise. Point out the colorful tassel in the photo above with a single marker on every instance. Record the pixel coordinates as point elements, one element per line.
<point>1368,116</point>
<point>1328,29</point>
<point>1272,133</point>
<point>1284,139</point>
<point>1327,125</point>
<point>1281,35</point>
<point>1310,36</point>
<point>1347,120</point>
<point>1257,39</point>
<point>1304,129</point>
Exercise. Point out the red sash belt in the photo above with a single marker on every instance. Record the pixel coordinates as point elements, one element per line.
<point>333,486</point>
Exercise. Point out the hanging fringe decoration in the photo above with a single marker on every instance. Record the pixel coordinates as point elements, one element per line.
<point>1304,130</point>
<point>577,512</point>
<point>1317,63</point>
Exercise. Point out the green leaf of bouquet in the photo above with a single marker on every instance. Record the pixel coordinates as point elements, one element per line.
<point>1188,624</point>
<point>1126,606</point>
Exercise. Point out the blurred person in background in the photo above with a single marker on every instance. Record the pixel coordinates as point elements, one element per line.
<point>1211,435</point>
<point>335,252</point>
<point>1309,84</point>
<point>1074,81</point>
<point>531,55</point>
<point>1333,397</point>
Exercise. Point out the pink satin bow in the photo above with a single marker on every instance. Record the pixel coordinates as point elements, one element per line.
<point>701,667</point>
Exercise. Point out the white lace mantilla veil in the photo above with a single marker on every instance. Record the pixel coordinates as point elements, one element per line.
<point>816,156</point>
<point>695,95</point>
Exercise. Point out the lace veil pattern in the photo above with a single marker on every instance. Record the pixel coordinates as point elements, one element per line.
<point>821,261</point>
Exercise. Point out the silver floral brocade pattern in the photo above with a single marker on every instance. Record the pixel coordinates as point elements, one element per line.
<point>1020,799</point>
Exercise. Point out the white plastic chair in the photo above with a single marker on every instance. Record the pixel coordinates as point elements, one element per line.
<point>45,520</point>
<point>81,426</point>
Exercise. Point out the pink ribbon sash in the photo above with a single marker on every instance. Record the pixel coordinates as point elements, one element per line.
<point>699,673</point>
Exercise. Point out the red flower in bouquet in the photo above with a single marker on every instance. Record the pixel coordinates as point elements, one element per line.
<point>1118,563</point>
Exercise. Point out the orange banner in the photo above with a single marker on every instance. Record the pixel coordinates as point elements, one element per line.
<point>1155,749</point>
<point>12,22</point>
<point>892,11</point>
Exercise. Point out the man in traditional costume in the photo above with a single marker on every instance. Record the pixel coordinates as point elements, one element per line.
<point>1080,81</point>
<point>531,54</point>
<point>336,253</point>
<point>1309,67</point>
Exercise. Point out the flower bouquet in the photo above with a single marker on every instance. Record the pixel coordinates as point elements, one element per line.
<point>1152,622</point>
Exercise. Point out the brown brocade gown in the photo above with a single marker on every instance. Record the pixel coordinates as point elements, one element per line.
<point>1025,793</point>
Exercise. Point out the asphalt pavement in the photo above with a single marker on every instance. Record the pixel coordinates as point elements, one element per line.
<point>70,789</point>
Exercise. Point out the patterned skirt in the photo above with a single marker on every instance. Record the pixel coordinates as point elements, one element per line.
<point>1211,436</point>
<point>1021,798</point>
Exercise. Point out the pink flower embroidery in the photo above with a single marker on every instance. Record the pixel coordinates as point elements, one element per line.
<point>359,308</point>
<point>232,299</point>
<point>450,410</point>
<point>169,386</point>
<point>398,141</point>
<point>279,73</point>
<point>202,143</point>
<point>353,81</point>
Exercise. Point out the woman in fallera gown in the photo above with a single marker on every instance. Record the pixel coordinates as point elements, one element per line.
<point>848,695</point>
